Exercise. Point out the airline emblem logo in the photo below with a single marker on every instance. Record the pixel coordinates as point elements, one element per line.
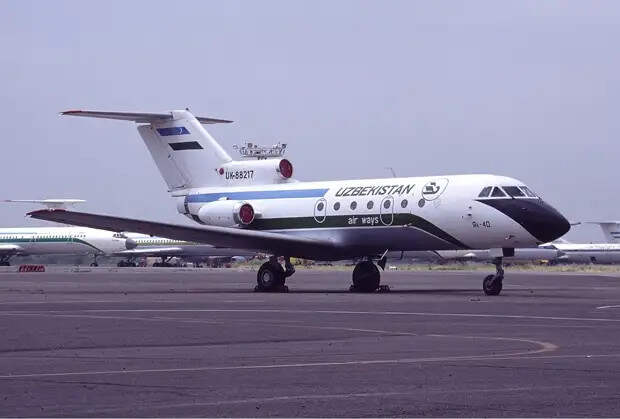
<point>433,189</point>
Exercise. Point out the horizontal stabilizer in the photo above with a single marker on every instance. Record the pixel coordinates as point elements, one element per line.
<point>140,117</point>
<point>49,203</point>
<point>274,243</point>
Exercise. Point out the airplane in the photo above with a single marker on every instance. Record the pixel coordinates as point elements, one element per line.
<point>596,253</point>
<point>166,249</point>
<point>28,241</point>
<point>255,204</point>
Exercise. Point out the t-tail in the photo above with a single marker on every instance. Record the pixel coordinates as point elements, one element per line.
<point>611,230</point>
<point>188,157</point>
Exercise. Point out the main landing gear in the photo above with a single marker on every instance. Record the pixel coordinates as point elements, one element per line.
<point>367,278</point>
<point>94,264</point>
<point>492,284</point>
<point>271,275</point>
<point>4,261</point>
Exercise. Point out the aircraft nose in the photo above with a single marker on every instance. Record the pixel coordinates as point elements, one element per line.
<point>548,224</point>
<point>130,244</point>
<point>540,219</point>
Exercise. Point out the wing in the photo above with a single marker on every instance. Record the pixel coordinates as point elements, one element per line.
<point>276,243</point>
<point>140,117</point>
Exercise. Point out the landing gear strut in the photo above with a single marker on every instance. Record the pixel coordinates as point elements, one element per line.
<point>94,264</point>
<point>271,276</point>
<point>367,278</point>
<point>492,284</point>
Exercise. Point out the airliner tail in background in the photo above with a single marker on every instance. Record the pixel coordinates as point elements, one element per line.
<point>611,230</point>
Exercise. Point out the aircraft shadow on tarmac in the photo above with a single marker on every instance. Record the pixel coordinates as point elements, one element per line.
<point>251,291</point>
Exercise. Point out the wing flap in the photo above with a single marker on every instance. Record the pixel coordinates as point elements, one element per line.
<point>139,117</point>
<point>276,243</point>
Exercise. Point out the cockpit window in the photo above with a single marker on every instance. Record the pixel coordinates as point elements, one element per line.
<point>485,192</point>
<point>497,192</point>
<point>528,191</point>
<point>513,191</point>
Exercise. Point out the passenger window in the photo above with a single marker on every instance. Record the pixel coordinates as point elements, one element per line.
<point>404,203</point>
<point>353,205</point>
<point>513,191</point>
<point>386,204</point>
<point>336,206</point>
<point>485,192</point>
<point>370,204</point>
<point>497,192</point>
<point>320,206</point>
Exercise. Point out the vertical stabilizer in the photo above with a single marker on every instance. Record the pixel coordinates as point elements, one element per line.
<point>611,230</point>
<point>186,155</point>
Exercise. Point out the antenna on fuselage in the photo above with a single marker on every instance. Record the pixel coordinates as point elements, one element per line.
<point>250,150</point>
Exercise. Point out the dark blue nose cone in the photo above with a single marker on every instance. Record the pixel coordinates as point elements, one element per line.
<point>540,219</point>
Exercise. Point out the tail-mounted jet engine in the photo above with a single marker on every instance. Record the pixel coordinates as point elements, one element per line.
<point>256,172</point>
<point>227,213</point>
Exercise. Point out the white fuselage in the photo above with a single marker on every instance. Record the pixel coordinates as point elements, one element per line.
<point>381,214</point>
<point>604,253</point>
<point>59,240</point>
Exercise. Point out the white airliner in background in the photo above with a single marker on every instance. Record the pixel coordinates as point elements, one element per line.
<point>60,241</point>
<point>597,253</point>
<point>255,204</point>
<point>166,249</point>
<point>611,230</point>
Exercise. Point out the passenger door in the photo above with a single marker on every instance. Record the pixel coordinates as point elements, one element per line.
<point>387,210</point>
<point>320,210</point>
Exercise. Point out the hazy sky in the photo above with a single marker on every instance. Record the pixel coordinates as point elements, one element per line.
<point>524,89</point>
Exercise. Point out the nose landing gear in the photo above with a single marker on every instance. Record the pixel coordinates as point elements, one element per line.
<point>492,284</point>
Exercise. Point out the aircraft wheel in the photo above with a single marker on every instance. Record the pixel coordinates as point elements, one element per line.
<point>5,264</point>
<point>366,277</point>
<point>94,264</point>
<point>492,285</point>
<point>270,277</point>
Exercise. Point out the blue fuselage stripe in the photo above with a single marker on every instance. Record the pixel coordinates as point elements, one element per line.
<point>290,193</point>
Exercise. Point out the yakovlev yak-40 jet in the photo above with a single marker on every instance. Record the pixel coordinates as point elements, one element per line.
<point>256,204</point>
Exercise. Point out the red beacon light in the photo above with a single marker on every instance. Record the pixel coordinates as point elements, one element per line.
<point>285,168</point>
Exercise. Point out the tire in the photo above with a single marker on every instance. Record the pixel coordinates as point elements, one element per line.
<point>366,277</point>
<point>491,286</point>
<point>270,277</point>
<point>94,264</point>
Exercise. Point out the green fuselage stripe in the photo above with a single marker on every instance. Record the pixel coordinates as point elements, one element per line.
<point>36,239</point>
<point>353,221</point>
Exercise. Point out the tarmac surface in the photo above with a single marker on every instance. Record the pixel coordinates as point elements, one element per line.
<point>201,343</point>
